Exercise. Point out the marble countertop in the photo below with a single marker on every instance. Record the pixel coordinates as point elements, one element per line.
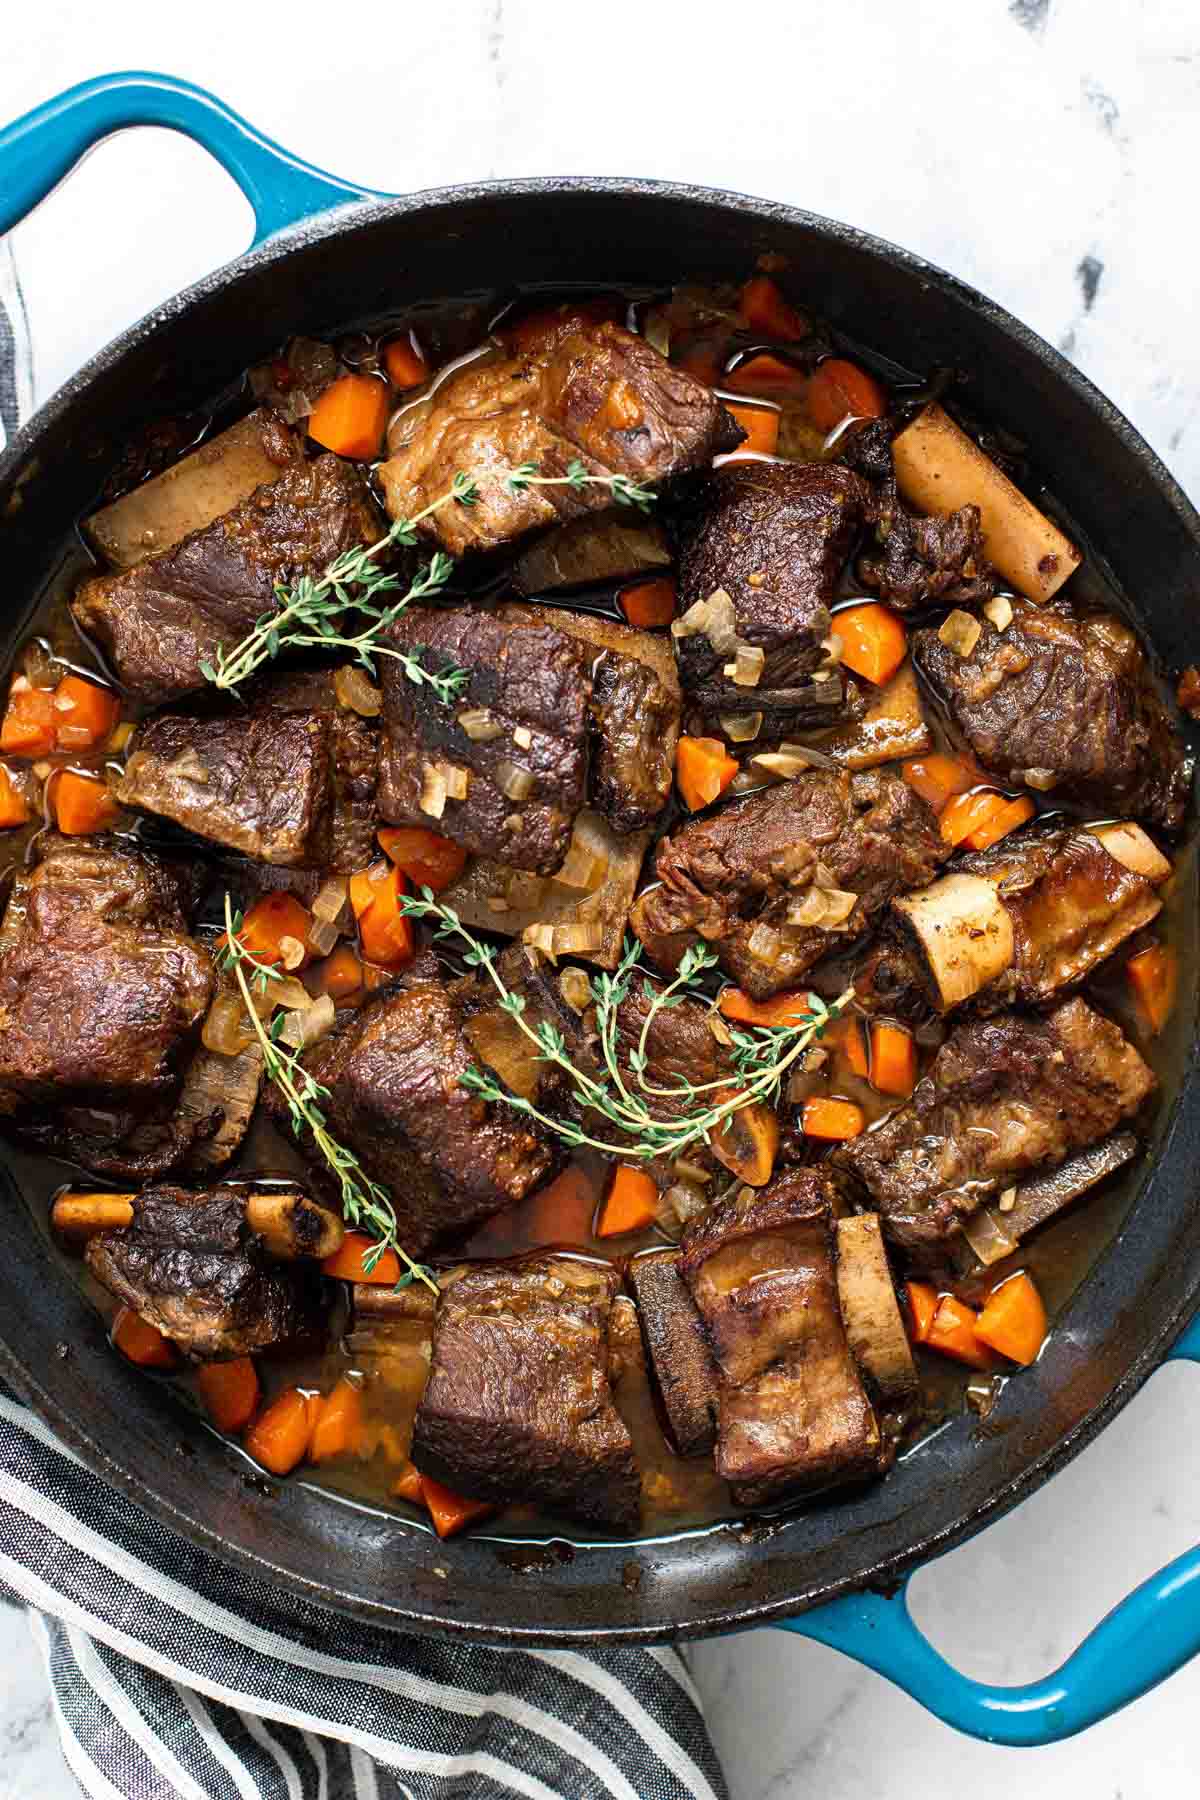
<point>1040,149</point>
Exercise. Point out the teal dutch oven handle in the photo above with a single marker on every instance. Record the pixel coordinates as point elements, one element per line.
<point>1150,1634</point>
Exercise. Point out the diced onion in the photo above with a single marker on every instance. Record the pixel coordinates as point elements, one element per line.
<point>1041,779</point>
<point>714,618</point>
<point>987,1239</point>
<point>999,611</point>
<point>575,989</point>
<point>226,1030</point>
<point>691,1172</point>
<point>1007,1200</point>
<point>719,1029</point>
<point>522,737</point>
<point>514,783</point>
<point>582,866</point>
<point>323,934</point>
<point>765,945</point>
<point>541,937</point>
<point>291,994</point>
<point>578,939</point>
<point>741,728</point>
<point>433,792</point>
<point>300,1029</point>
<point>356,692</point>
<point>817,759</point>
<point>291,952</point>
<point>678,1206</point>
<point>457,781</point>
<point>332,900</point>
<point>822,909</point>
<point>747,667</point>
<point>960,631</point>
<point>785,765</point>
<point>833,646</point>
<point>479,725</point>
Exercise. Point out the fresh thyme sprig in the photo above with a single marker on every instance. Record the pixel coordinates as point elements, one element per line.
<point>762,1059</point>
<point>364,1202</point>
<point>310,614</point>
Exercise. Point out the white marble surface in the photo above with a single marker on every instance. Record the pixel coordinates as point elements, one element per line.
<point>1041,149</point>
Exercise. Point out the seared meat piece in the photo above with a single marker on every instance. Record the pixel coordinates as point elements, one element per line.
<point>793,1412</point>
<point>518,1406</point>
<point>734,878</point>
<point>577,391</point>
<point>190,1265</point>
<point>526,774</point>
<point>288,778</point>
<point>159,621</point>
<point>102,992</point>
<point>773,537</point>
<point>1004,1096</point>
<point>1040,1199</point>
<point>394,1072</point>
<point>1022,921</point>
<point>678,1351</point>
<point>1071,698</point>
<point>920,559</point>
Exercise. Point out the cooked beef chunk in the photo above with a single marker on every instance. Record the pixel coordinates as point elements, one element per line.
<point>532,685</point>
<point>159,621</point>
<point>580,391</point>
<point>1045,1197</point>
<point>518,1406</point>
<point>288,778</point>
<point>921,560</point>
<point>733,878</point>
<point>678,1351</point>
<point>102,992</point>
<point>773,537</point>
<point>1069,697</point>
<point>1004,1097</point>
<point>394,1072</point>
<point>217,1102</point>
<point>793,1412</point>
<point>190,1265</point>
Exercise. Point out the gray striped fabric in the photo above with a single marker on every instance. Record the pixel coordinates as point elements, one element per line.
<point>174,1675</point>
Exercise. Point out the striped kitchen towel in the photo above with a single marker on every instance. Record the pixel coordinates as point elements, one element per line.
<point>175,1675</point>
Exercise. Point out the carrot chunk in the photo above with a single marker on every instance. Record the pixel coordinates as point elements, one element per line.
<point>703,770</point>
<point>85,714</point>
<point>648,604</point>
<point>82,804</point>
<point>938,778</point>
<point>976,821</point>
<point>407,1486</point>
<point>1153,975</point>
<point>835,1120</point>
<point>761,426</point>
<point>764,309</point>
<point>922,1305</point>
<point>347,1264</point>
<point>893,1059</point>
<point>280,1436</point>
<point>337,975</point>
<point>340,1424</point>
<point>953,1333</point>
<point>424,856</point>
<point>143,1343</point>
<point>874,641</point>
<point>404,361</point>
<point>780,1009</point>
<point>13,807</point>
<point>449,1511</point>
<point>764,374</point>
<point>230,1392</point>
<point>631,1205</point>
<point>1013,1320</point>
<point>272,930</point>
<point>28,728</point>
<point>841,390</point>
<point>846,1037</point>
<point>747,1142</point>
<point>350,415</point>
<point>384,932</point>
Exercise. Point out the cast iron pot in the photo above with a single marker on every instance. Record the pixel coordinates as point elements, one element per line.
<point>326,255</point>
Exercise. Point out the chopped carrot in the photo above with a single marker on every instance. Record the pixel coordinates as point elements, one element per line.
<point>230,1392</point>
<point>761,426</point>
<point>13,807</point>
<point>280,1436</point>
<point>893,1059</point>
<point>647,604</point>
<point>846,1036</point>
<point>337,975</point>
<point>1013,1320</point>
<point>701,362</point>
<point>349,1263</point>
<point>922,1306</point>
<point>82,803</point>
<point>350,415</point>
<point>874,641</point>
<point>340,1424</point>
<point>384,933</point>
<point>143,1343</point>
<point>404,361</point>
<point>451,1512</point>
<point>764,309</point>
<point>841,390</point>
<point>85,714</point>
<point>631,1204</point>
<point>834,1120</point>
<point>747,1142</point>
<point>428,859</point>
<point>272,929</point>
<point>937,778</point>
<point>28,728</point>
<point>764,374</point>
<point>953,1333</point>
<point>408,1485</point>
<point>703,770</point>
<point>1153,975</point>
<point>975,821</point>
<point>780,1009</point>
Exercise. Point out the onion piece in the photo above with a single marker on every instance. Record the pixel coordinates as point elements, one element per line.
<point>522,737</point>
<point>433,791</point>
<point>479,725</point>
<point>290,994</point>
<point>693,1173</point>
<point>580,868</point>
<point>786,764</point>
<point>987,1237</point>
<point>719,1029</point>
<point>747,667</point>
<point>816,759</point>
<point>576,990</point>
<point>541,937</point>
<point>741,728</point>
<point>714,618</point>
<point>765,945</point>
<point>291,952</point>
<point>457,781</point>
<point>577,939</point>
<point>1041,779</point>
<point>226,1030</point>
<point>356,692</point>
<point>823,909</point>
<point>999,611</point>
<point>960,631</point>
<point>300,1029</point>
<point>332,900</point>
<point>514,783</point>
